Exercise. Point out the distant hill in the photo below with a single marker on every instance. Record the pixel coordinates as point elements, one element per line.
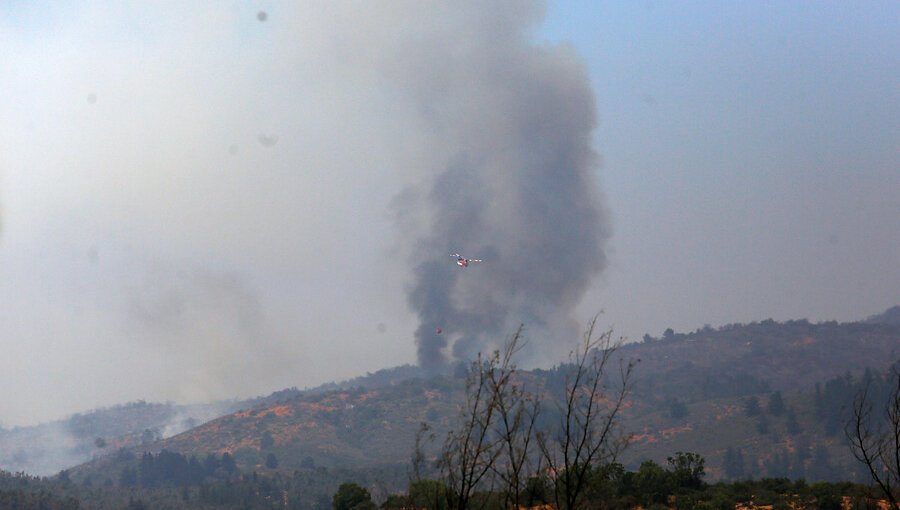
<point>47,448</point>
<point>741,359</point>
<point>354,428</point>
<point>889,316</point>
<point>693,392</point>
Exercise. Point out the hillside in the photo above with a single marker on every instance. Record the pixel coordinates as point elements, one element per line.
<point>753,358</point>
<point>889,316</point>
<point>694,389</point>
<point>692,393</point>
<point>47,448</point>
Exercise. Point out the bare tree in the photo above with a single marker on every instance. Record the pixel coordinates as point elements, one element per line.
<point>423,492</point>
<point>471,449</point>
<point>875,439</point>
<point>496,444</point>
<point>587,436</point>
<point>418,461</point>
<point>517,411</point>
<point>493,443</point>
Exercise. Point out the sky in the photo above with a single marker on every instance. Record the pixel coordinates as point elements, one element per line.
<point>200,202</point>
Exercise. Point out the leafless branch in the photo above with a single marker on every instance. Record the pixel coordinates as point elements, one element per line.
<point>587,435</point>
<point>876,442</point>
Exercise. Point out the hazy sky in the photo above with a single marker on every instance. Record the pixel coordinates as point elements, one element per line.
<point>197,204</point>
<point>751,158</point>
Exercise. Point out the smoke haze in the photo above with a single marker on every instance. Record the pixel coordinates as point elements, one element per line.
<point>204,201</point>
<point>200,203</point>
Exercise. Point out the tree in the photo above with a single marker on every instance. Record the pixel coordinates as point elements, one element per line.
<point>418,462</point>
<point>688,468</point>
<point>471,448</point>
<point>429,494</point>
<point>875,437</point>
<point>493,445</point>
<point>751,406</point>
<point>678,409</point>
<point>653,484</point>
<point>778,465</point>
<point>228,463</point>
<point>762,425</point>
<point>820,467</point>
<point>733,465</point>
<point>487,422</point>
<point>775,407</point>
<point>538,491</point>
<point>793,426</point>
<point>271,461</point>
<point>517,414</point>
<point>128,477</point>
<point>351,496</point>
<point>587,435</point>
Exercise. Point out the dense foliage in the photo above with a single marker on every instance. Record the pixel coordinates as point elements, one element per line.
<point>678,485</point>
<point>172,481</point>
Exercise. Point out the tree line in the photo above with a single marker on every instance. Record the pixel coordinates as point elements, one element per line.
<point>515,443</point>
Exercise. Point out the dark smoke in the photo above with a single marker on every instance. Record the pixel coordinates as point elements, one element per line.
<point>511,181</point>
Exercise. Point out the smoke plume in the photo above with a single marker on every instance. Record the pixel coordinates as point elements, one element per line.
<point>509,178</point>
<point>201,205</point>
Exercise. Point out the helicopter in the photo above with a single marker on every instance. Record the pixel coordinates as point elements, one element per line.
<point>462,261</point>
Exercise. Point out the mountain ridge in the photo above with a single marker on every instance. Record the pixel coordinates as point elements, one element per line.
<point>372,420</point>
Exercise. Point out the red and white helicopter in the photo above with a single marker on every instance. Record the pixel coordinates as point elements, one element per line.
<point>462,261</point>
